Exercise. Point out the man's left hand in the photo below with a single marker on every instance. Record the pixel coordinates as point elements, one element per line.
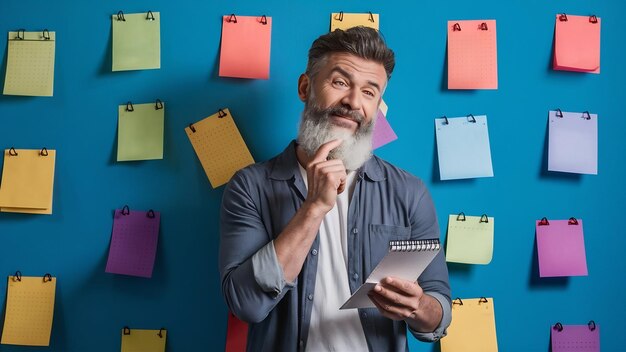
<point>397,299</point>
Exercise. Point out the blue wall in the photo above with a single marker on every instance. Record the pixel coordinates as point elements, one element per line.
<point>80,122</point>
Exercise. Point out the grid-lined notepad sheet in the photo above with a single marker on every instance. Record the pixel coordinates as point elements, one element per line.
<point>29,311</point>
<point>30,64</point>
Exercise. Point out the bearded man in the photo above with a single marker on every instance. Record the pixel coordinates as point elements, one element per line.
<point>301,232</point>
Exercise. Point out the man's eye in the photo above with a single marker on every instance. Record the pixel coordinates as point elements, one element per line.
<point>340,83</point>
<point>370,93</point>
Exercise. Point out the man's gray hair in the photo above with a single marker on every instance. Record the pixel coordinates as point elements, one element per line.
<point>364,42</point>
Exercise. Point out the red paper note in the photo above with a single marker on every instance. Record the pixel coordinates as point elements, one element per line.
<point>472,55</point>
<point>245,51</point>
<point>577,43</point>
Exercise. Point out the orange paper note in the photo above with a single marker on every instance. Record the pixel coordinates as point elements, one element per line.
<point>245,51</point>
<point>577,43</point>
<point>472,55</point>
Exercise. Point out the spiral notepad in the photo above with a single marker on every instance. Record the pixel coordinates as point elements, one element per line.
<point>406,260</point>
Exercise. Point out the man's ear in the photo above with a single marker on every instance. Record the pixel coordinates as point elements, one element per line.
<point>303,87</point>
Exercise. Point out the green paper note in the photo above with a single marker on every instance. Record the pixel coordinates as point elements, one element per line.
<point>30,64</point>
<point>470,241</point>
<point>140,132</point>
<point>136,41</point>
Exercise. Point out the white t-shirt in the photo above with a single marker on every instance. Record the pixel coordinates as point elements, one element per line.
<point>332,329</point>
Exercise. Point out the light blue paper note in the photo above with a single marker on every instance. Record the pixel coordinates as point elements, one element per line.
<point>573,142</point>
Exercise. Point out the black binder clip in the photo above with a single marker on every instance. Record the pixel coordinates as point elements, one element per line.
<point>544,221</point>
<point>17,276</point>
<point>572,221</point>
<point>232,18</point>
<point>563,17</point>
<point>129,107</point>
<point>484,219</point>
<point>457,301</point>
<point>158,105</point>
<point>586,115</point>
<point>371,17</point>
<point>445,120</point>
<point>559,113</point>
<point>592,325</point>
<point>12,152</point>
<point>150,16</point>
<point>45,34</point>
<point>482,300</point>
<point>125,210</point>
<point>43,152</point>
<point>558,327</point>
<point>21,34</point>
<point>483,26</point>
<point>471,118</point>
<point>120,16</point>
<point>456,27</point>
<point>126,330</point>
<point>593,19</point>
<point>193,129</point>
<point>160,333</point>
<point>221,113</point>
<point>263,20</point>
<point>460,217</point>
<point>150,214</point>
<point>47,277</point>
<point>339,16</point>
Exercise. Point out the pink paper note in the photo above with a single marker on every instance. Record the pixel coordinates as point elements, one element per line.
<point>245,50</point>
<point>561,248</point>
<point>579,338</point>
<point>133,242</point>
<point>383,133</point>
<point>472,55</point>
<point>577,43</point>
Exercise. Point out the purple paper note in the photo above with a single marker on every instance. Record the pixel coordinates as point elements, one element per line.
<point>573,142</point>
<point>383,133</point>
<point>133,242</point>
<point>579,338</point>
<point>561,248</point>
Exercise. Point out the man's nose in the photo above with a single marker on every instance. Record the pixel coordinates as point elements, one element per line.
<point>352,100</point>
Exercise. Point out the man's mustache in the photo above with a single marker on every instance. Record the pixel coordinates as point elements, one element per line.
<point>343,111</point>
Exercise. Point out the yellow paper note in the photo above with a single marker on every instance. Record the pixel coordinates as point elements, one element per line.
<point>140,131</point>
<point>470,239</point>
<point>27,180</point>
<point>29,311</point>
<point>340,20</point>
<point>30,64</point>
<point>383,107</point>
<point>136,41</point>
<point>473,327</point>
<point>219,146</point>
<point>136,340</point>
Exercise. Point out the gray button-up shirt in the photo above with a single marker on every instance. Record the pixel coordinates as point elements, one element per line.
<point>387,204</point>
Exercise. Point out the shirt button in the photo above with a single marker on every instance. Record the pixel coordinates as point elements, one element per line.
<point>364,315</point>
<point>314,252</point>
<point>310,296</point>
<point>355,230</point>
<point>355,276</point>
<point>301,343</point>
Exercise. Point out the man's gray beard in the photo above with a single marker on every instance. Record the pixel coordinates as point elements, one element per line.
<point>316,129</point>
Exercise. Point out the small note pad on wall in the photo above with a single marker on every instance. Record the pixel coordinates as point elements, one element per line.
<point>573,142</point>
<point>561,248</point>
<point>133,242</point>
<point>29,310</point>
<point>473,327</point>
<point>472,55</point>
<point>140,340</point>
<point>136,41</point>
<point>470,239</point>
<point>577,338</point>
<point>246,43</point>
<point>383,133</point>
<point>140,131</point>
<point>340,20</point>
<point>27,181</point>
<point>219,146</point>
<point>30,64</point>
<point>577,43</point>
<point>463,147</point>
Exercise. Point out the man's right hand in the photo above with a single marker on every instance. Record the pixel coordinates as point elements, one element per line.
<point>325,178</point>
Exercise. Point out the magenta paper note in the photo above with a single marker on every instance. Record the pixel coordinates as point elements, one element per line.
<point>561,248</point>
<point>383,133</point>
<point>133,242</point>
<point>579,338</point>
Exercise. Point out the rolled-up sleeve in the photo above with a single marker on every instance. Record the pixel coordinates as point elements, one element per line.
<point>440,331</point>
<point>252,280</point>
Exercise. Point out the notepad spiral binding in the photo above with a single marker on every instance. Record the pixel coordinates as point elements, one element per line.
<point>414,245</point>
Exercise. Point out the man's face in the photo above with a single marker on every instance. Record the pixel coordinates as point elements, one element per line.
<point>349,87</point>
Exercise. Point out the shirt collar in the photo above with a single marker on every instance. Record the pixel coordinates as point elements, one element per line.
<point>286,165</point>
